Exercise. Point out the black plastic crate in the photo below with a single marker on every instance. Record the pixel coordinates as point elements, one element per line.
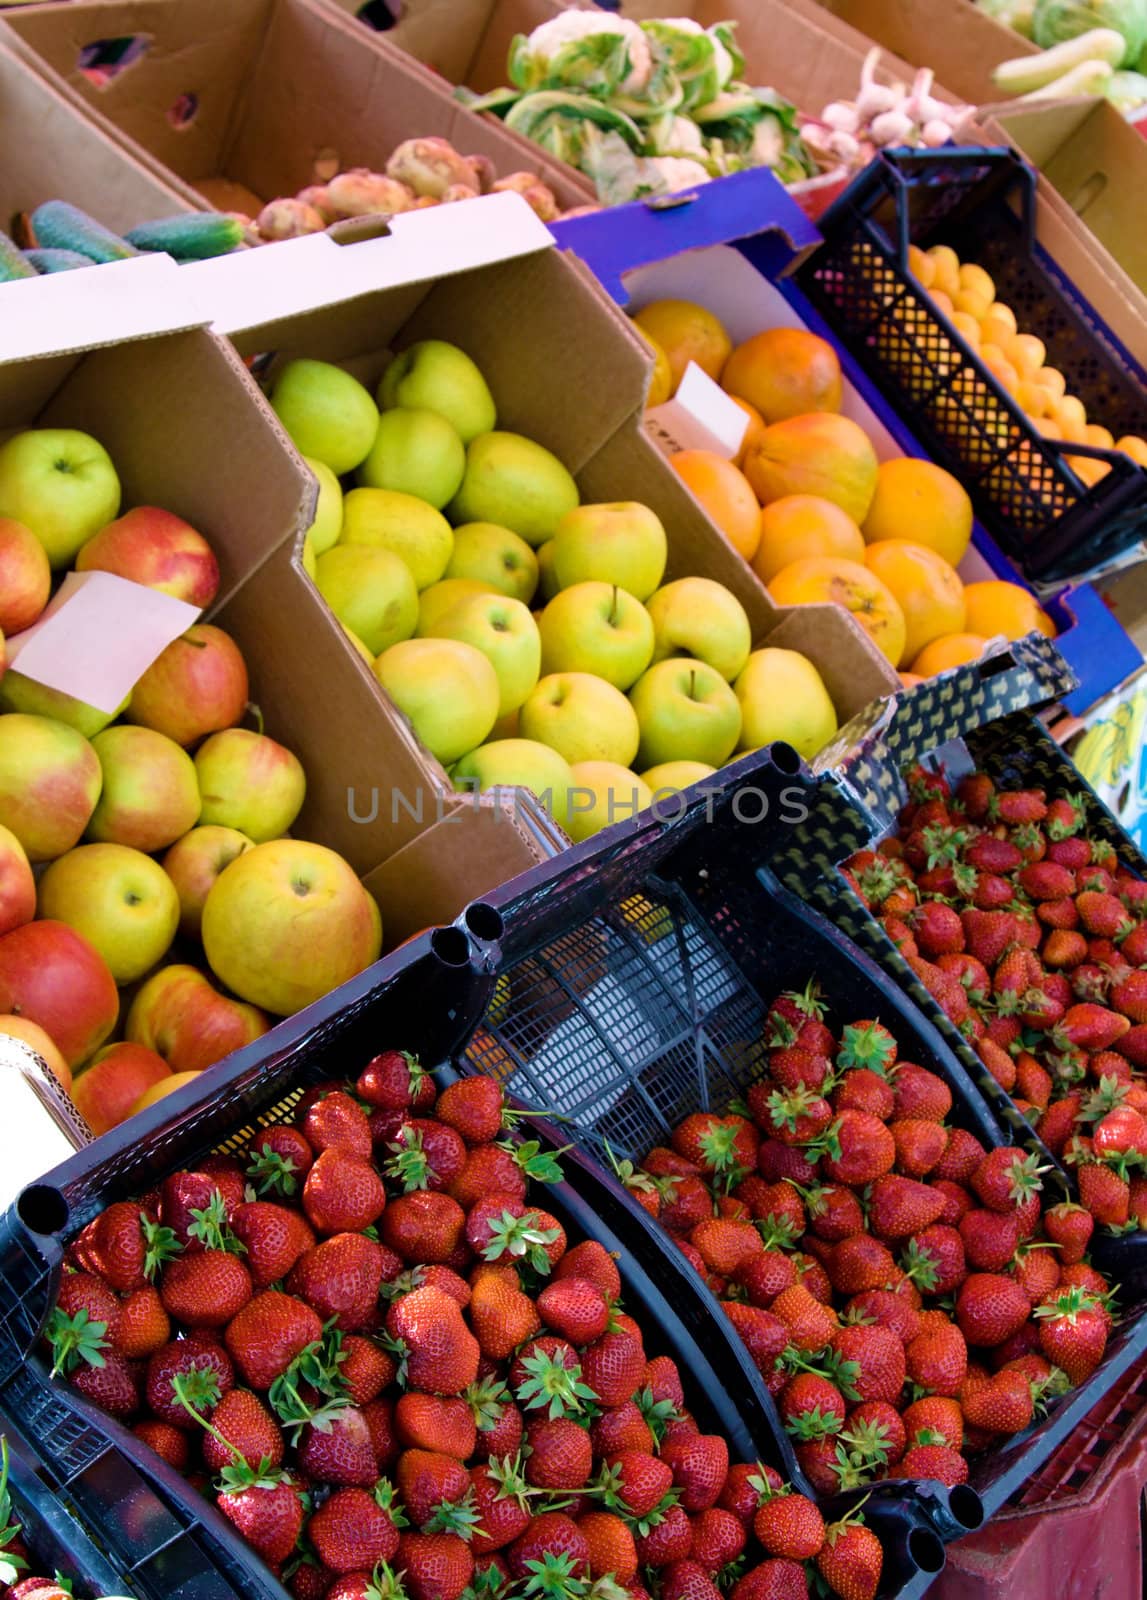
<point>428,997</point>
<point>981,202</point>
<point>641,996</point>
<point>55,1540</point>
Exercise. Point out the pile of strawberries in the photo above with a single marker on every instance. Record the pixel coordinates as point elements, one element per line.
<point>1033,940</point>
<point>401,1381</point>
<point>893,1280</point>
<point>15,1557</point>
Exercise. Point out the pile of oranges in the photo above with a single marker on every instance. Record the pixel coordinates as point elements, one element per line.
<point>813,511</point>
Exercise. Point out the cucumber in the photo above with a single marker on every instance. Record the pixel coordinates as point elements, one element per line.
<point>1028,73</point>
<point>46,261</point>
<point>194,237</point>
<point>60,226</point>
<point>1090,77</point>
<point>12,263</point>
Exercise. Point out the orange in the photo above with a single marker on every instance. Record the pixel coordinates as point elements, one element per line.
<point>1051,378</point>
<point>995,607</point>
<point>661,378</point>
<point>949,650</point>
<point>847,584</point>
<point>686,332</point>
<point>919,501</point>
<point>946,266</point>
<point>753,432</point>
<point>164,1087</point>
<point>816,454</point>
<point>1132,445</point>
<point>802,525</point>
<point>921,266</point>
<point>725,493</point>
<point>784,372</point>
<point>927,590</point>
<point>909,680</point>
<point>42,1043</point>
<point>1099,436</point>
<point>978,281</point>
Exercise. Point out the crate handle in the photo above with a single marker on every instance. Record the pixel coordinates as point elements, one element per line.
<point>903,163</point>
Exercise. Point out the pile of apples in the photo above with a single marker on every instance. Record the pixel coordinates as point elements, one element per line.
<point>143,853</point>
<point>617,687</point>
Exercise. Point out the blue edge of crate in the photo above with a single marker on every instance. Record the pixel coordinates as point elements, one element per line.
<point>753,213</point>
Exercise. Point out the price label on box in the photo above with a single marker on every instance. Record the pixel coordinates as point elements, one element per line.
<point>700,416</point>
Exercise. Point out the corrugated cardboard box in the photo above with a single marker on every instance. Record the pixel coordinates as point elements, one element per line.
<point>237,102</point>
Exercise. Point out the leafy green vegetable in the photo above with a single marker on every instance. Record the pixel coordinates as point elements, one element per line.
<point>1057,20</point>
<point>588,50</point>
<point>1127,91</point>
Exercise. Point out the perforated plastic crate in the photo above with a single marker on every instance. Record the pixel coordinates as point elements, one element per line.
<point>50,1528</point>
<point>981,202</point>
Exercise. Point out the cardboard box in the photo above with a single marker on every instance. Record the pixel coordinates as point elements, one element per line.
<point>236,102</point>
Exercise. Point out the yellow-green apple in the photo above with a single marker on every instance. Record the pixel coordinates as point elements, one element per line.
<point>327,413</point>
<point>506,634</point>
<point>159,550</point>
<point>106,1091</point>
<point>604,792</point>
<point>288,922</point>
<point>686,712</point>
<point>61,484</point>
<point>783,696</point>
<point>50,974</point>
<point>150,796</point>
<point>581,717</point>
<point>17,885</point>
<point>446,689</point>
<point>160,1091</point>
<point>518,764</point>
<point>621,542</point>
<point>516,483</point>
<point>49,783</point>
<point>25,576</point>
<point>249,782</point>
<point>18,693</point>
<point>194,862</point>
<point>701,619</point>
<point>598,628</point>
<point>31,1034</point>
<point>672,776</point>
<point>180,1015</point>
<point>494,555</point>
<point>370,591</point>
<point>357,645</point>
<point>122,902</point>
<point>325,529</point>
<point>310,559</point>
<point>416,453</point>
<point>435,376</point>
<point>548,584</point>
<point>387,519</point>
<point>196,686</point>
<point>433,603</point>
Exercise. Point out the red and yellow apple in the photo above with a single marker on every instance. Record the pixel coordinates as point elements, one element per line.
<point>50,781</point>
<point>105,1093</point>
<point>122,902</point>
<point>50,974</point>
<point>197,686</point>
<point>31,1034</point>
<point>25,576</point>
<point>194,862</point>
<point>158,549</point>
<point>180,1015</point>
<point>17,885</point>
<point>249,782</point>
<point>150,797</point>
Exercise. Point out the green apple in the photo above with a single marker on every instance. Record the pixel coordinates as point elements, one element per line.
<point>701,619</point>
<point>435,376</point>
<point>328,414</point>
<point>581,717</point>
<point>435,602</point>
<point>62,485</point>
<point>249,782</point>
<point>622,542</point>
<point>357,644</point>
<point>507,636</point>
<point>119,899</point>
<point>325,529</point>
<point>672,776</point>
<point>418,453</point>
<point>49,783</point>
<point>686,712</point>
<point>595,627</point>
<point>783,696</point>
<point>446,689</point>
<point>603,792</point>
<point>516,483</point>
<point>150,796</point>
<point>310,559</point>
<point>18,693</point>
<point>494,556</point>
<point>548,584</point>
<point>519,764</point>
<point>371,592</point>
<point>387,519</point>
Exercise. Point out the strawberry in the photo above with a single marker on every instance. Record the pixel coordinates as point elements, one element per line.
<point>366,1370</point>
<point>772,1580</point>
<point>866,1044</point>
<point>887,1309</point>
<point>336,1122</point>
<point>937,1416</point>
<point>549,1534</point>
<point>934,1260</point>
<point>278,1159</point>
<point>990,1308</point>
<point>865,1090</point>
<point>687,1580</point>
<point>433,1489</point>
<point>439,1353</point>
<point>1130,997</point>
<point>194,1208</point>
<point>338,1448</point>
<point>1064,950</point>
<point>699,1466</point>
<point>871,1362</point>
<point>1073,1332</point>
<point>1006,1178</point>
<point>1055,1125</point>
<point>634,1483</point>
<point>1103,914</point>
<point>1033,1082</point>
<point>501,1316</point>
<point>810,1323</point>
<point>242,1426</point>
<point>862,1262</point>
<point>1018,806</point>
<point>1065,816</point>
<point>395,1081</point>
<point>169,1443</point>
<point>1070,1227</point>
<point>614,1366</point>
<point>789,1524</point>
<point>560,1455</point>
<point>500,1496</point>
<point>811,1407</point>
<point>197,1359</point>
<point>1036,1270</point>
<point>1105,1193</point>
<point>473,1107</point>
<point>763,1277</point>
<point>504,1230</point>
<point>120,1245</point>
<point>716,1144</point>
<point>266,1336</point>
<point>920,1094</point>
<point>689,1203</point>
<point>1046,880</point>
<point>353,1530</point>
<point>937,1360</point>
<point>113,1386</point>
<point>1001,1403</point>
<point>267,1512</point>
<point>796,1116</point>
<point>791,1068</point>
<point>866,1148</point>
<point>273,1239</point>
<point>1091,1027</point>
<point>901,1206</point>
<point>342,1192</point>
<point>948,992</point>
<point>937,928</point>
<point>763,1335</point>
<point>340,1279</point>
<point>851,1559</point>
<point>83,1292</point>
<point>424,1154</point>
<point>612,1551</point>
<point>621,1428</point>
<point>435,1424</point>
<point>489,1169</point>
<point>990,1239</point>
<point>435,1566</point>
<point>1133,1045</point>
<point>725,1245</point>
<point>776,1162</point>
<point>834,1212</point>
<point>669,1539</point>
<point>379,1417</point>
<point>989,854</point>
<point>930,1460</point>
<point>1134,948</point>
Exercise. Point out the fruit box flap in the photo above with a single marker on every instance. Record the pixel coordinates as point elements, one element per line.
<point>868,755</point>
<point>254,293</point>
<point>186,430</point>
<point>59,313</point>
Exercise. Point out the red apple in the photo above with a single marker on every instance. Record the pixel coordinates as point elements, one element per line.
<point>105,1092</point>
<point>194,862</point>
<point>17,885</point>
<point>50,974</point>
<point>25,576</point>
<point>158,549</point>
<point>197,686</point>
<point>49,783</point>
<point>178,1014</point>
